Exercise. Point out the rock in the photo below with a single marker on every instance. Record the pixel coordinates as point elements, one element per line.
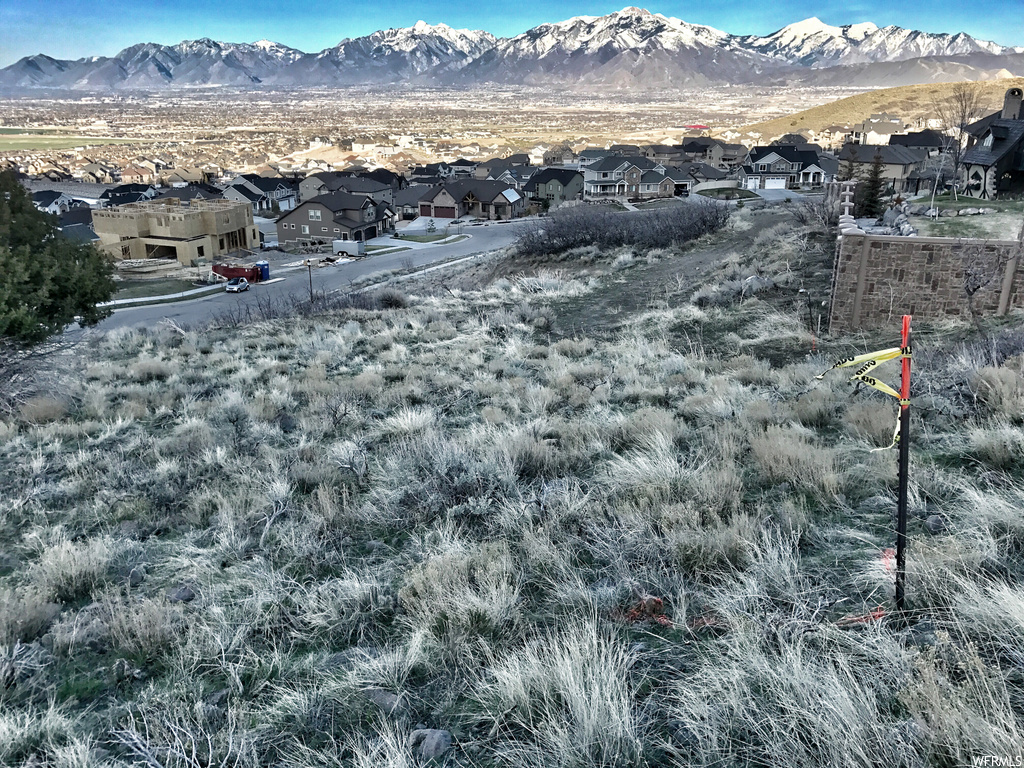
<point>389,703</point>
<point>430,743</point>
<point>348,658</point>
<point>890,216</point>
<point>969,211</point>
<point>932,213</point>
<point>987,211</point>
<point>182,593</point>
<point>935,524</point>
<point>130,529</point>
<point>922,634</point>
<point>218,698</point>
<point>918,210</point>
<point>948,213</point>
<point>136,576</point>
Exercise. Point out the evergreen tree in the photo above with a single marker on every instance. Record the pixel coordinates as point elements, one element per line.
<point>46,280</point>
<point>848,171</point>
<point>869,193</point>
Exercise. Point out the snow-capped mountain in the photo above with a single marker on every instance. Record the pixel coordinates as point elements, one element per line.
<point>622,48</point>
<point>628,48</point>
<point>815,44</point>
<point>391,55</point>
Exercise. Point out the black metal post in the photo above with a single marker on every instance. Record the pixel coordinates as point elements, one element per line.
<point>309,268</point>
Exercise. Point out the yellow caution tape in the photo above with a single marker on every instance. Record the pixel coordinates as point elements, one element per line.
<point>867,362</point>
<point>874,358</point>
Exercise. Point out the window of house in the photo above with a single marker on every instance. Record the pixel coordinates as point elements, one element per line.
<point>314,214</point>
<point>337,229</point>
<point>305,229</point>
<point>988,141</point>
<point>762,167</point>
<point>200,251</point>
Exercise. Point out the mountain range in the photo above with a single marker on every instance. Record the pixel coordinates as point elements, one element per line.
<point>627,49</point>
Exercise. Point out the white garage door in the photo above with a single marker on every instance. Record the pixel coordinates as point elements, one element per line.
<point>774,183</point>
<point>753,182</point>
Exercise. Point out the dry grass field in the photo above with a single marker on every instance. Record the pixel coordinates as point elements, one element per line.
<point>294,541</point>
<point>909,102</point>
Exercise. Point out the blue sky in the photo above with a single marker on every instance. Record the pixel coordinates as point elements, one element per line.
<point>73,28</point>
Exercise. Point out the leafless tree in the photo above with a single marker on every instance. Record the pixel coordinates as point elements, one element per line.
<point>958,109</point>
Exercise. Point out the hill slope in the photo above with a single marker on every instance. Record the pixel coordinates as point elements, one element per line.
<point>908,102</point>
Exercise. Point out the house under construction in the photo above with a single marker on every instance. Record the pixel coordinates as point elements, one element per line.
<point>188,231</point>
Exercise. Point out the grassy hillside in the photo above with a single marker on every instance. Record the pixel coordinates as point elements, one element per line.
<point>909,102</point>
<point>294,541</point>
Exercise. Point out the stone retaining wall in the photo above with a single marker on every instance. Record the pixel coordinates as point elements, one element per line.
<point>878,278</point>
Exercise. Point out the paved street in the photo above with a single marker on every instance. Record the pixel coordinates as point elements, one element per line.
<point>197,311</point>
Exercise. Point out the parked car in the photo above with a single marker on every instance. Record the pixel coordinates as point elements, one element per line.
<point>237,285</point>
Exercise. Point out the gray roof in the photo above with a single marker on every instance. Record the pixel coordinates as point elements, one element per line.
<point>411,195</point>
<point>562,175</point>
<point>1006,137</point>
<point>340,201</point>
<point>481,190</point>
<point>891,155</point>
<point>612,162</point>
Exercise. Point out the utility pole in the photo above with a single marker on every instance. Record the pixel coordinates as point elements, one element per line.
<point>904,468</point>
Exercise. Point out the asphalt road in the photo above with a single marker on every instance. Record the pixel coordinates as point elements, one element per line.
<point>296,282</point>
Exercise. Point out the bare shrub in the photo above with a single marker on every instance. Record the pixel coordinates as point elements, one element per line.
<point>24,615</point>
<point>787,454</point>
<point>1001,390</point>
<point>570,694</point>
<point>581,226</point>
<point>67,570</point>
<point>42,409</point>
<point>391,298</point>
<point>872,422</point>
<point>149,369</point>
<point>463,592</point>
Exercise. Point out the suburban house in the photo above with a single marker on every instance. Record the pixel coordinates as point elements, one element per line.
<point>877,129</point>
<point>76,225</point>
<point>335,216</point>
<point>407,201</point>
<point>193,192</point>
<point>182,177</point>
<point>664,153</point>
<point>431,171</point>
<point>128,193</point>
<point>555,185</point>
<point>472,197</point>
<point>496,165</point>
<point>325,183</point>
<point>279,191</point>
<point>634,177</point>
<point>786,166</point>
<point>97,173</point>
<point>590,156</point>
<point>705,150</point>
<point>994,161</point>
<point>932,142</point>
<point>53,202</point>
<point>462,168</point>
<point>137,174</point>
<point>900,166</point>
<point>516,176</point>
<point>168,228</point>
<point>561,155</point>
